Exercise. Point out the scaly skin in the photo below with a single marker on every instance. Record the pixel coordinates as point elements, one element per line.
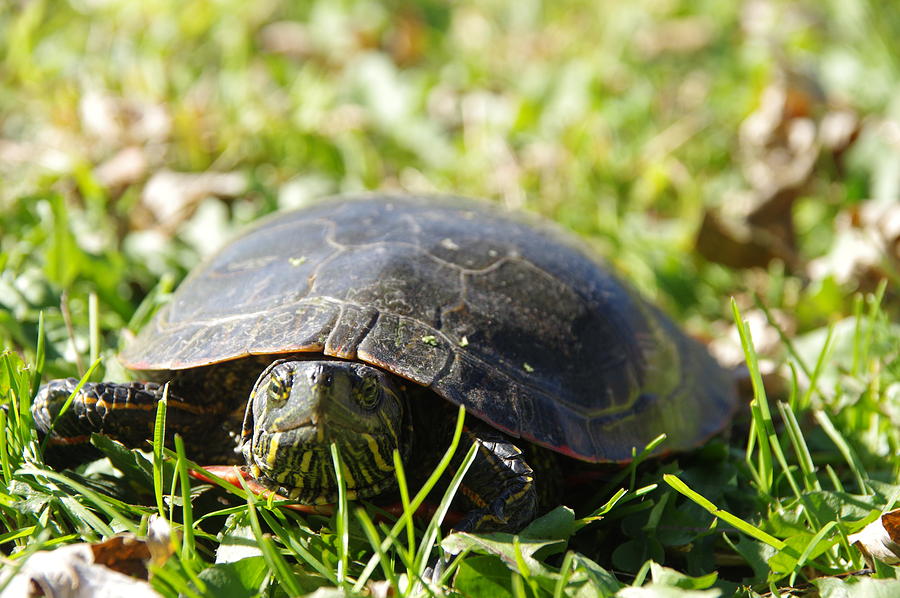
<point>297,409</point>
<point>123,411</point>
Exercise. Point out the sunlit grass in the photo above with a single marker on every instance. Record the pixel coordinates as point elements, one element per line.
<point>299,561</point>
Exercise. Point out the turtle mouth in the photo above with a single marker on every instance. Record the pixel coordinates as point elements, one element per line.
<point>291,423</point>
<point>300,424</point>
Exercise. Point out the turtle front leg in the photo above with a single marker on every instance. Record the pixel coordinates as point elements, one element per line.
<point>499,486</point>
<point>123,411</point>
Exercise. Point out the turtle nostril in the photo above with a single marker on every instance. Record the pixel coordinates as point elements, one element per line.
<point>322,378</point>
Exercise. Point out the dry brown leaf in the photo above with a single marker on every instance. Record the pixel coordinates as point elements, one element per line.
<point>110,569</point>
<point>380,589</point>
<point>865,238</point>
<point>125,554</point>
<point>675,36</point>
<point>880,539</point>
<point>44,153</point>
<point>172,196</point>
<point>838,129</point>
<point>289,38</point>
<point>780,144</point>
<point>160,540</point>
<point>123,121</point>
<point>734,243</point>
<point>126,167</point>
<point>883,219</point>
<point>409,38</point>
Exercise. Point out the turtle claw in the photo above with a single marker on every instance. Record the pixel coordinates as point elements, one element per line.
<point>435,570</point>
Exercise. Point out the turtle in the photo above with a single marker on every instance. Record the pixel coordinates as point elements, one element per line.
<point>362,320</point>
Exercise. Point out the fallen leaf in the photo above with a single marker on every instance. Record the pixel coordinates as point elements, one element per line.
<point>675,36</point>
<point>126,167</point>
<point>865,238</point>
<point>380,589</point>
<point>882,218</point>
<point>123,553</point>
<point>880,539</point>
<point>110,569</point>
<point>734,243</point>
<point>408,38</point>
<point>779,148</point>
<point>160,540</point>
<point>839,129</point>
<point>172,196</point>
<point>289,38</point>
<point>119,121</point>
<point>780,143</point>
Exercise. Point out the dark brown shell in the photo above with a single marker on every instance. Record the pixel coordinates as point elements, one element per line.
<point>511,318</point>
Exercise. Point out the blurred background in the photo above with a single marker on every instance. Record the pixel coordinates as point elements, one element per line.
<point>707,149</point>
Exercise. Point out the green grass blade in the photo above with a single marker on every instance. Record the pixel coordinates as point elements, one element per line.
<point>416,502</point>
<point>810,546</point>
<point>297,547</point>
<point>767,439</point>
<point>759,407</point>
<point>817,371</point>
<point>642,573</point>
<point>430,536</point>
<point>159,435</point>
<point>565,573</point>
<point>372,536</point>
<point>835,480</point>
<point>801,450</point>
<point>784,338</point>
<point>518,586</point>
<point>521,565</point>
<point>844,448</point>
<point>40,354</point>
<point>4,451</point>
<point>608,505</point>
<point>109,506</point>
<point>725,516</point>
<point>857,335</point>
<point>871,320</point>
<point>341,516</point>
<point>405,502</point>
<point>270,553</point>
<point>19,533</point>
<point>176,583</point>
<point>188,547</point>
<point>225,485</point>
<point>628,471</point>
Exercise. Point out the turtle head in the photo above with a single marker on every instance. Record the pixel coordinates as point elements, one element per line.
<point>297,409</point>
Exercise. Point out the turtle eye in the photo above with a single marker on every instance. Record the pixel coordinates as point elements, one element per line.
<point>369,394</point>
<point>279,388</point>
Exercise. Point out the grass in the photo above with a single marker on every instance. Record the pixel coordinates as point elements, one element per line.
<point>625,122</point>
<point>800,535</point>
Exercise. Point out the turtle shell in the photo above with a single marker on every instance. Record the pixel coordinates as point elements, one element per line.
<point>508,316</point>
